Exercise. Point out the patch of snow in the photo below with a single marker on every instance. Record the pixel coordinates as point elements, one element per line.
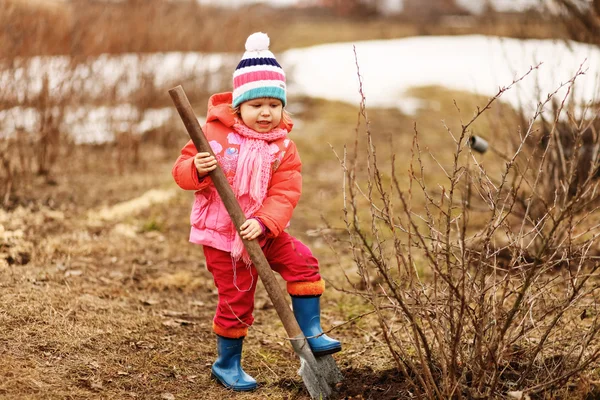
<point>411,105</point>
<point>478,6</point>
<point>474,63</point>
<point>87,124</point>
<point>120,76</point>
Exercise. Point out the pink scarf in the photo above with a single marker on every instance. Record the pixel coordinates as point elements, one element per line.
<point>252,176</point>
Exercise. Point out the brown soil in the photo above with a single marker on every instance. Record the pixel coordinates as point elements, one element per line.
<point>367,384</point>
<point>119,305</point>
<point>103,297</point>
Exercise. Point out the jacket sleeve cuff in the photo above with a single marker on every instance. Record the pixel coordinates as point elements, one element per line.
<point>271,229</point>
<point>263,227</point>
<point>198,182</point>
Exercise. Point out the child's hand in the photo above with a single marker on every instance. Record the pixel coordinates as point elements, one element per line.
<point>251,229</point>
<point>204,163</point>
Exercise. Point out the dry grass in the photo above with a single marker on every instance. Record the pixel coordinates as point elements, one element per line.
<point>82,28</point>
<point>499,308</point>
<point>121,307</point>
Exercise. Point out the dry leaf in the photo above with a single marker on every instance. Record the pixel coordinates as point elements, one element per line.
<point>169,313</point>
<point>96,385</point>
<point>184,322</point>
<point>518,394</point>
<point>177,323</point>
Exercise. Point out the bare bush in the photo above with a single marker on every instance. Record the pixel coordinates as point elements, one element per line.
<point>65,80</point>
<point>82,28</point>
<point>580,18</point>
<point>487,283</point>
<point>59,102</point>
<point>354,8</point>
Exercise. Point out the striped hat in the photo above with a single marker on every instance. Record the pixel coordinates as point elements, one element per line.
<point>258,74</point>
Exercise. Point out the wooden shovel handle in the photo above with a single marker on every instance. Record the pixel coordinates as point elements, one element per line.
<point>237,215</point>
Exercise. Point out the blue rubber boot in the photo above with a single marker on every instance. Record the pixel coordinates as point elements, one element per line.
<point>307,311</point>
<point>228,369</point>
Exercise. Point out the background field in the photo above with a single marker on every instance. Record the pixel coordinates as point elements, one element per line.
<point>102,296</point>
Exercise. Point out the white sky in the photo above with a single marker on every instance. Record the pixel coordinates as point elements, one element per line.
<point>389,68</point>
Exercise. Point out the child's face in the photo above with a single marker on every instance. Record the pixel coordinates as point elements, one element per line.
<point>262,114</point>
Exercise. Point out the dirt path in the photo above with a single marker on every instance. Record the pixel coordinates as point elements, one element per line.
<point>109,300</point>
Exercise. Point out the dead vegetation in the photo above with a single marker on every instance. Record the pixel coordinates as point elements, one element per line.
<point>484,284</point>
<point>83,28</point>
<point>476,280</point>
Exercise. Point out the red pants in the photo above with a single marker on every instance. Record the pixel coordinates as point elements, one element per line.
<point>286,255</point>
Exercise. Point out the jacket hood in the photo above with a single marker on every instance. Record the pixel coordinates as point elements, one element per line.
<point>219,109</point>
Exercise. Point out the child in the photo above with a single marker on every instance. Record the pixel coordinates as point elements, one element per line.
<point>247,130</point>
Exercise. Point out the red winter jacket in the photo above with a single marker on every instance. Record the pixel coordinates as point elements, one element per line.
<point>211,224</point>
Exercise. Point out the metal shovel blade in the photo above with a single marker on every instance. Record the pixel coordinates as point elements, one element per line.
<point>319,374</point>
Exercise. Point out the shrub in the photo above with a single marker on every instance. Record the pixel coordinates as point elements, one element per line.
<point>507,301</point>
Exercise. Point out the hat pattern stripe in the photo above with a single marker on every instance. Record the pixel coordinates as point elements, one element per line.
<point>254,68</point>
<point>258,61</point>
<point>257,76</point>
<point>261,92</point>
<point>256,84</point>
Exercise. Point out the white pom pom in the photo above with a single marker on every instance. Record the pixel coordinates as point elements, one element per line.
<point>257,41</point>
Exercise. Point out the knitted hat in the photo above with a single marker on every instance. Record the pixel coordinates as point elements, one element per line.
<point>258,74</point>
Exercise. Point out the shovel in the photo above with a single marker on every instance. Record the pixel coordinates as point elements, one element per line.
<point>319,374</point>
